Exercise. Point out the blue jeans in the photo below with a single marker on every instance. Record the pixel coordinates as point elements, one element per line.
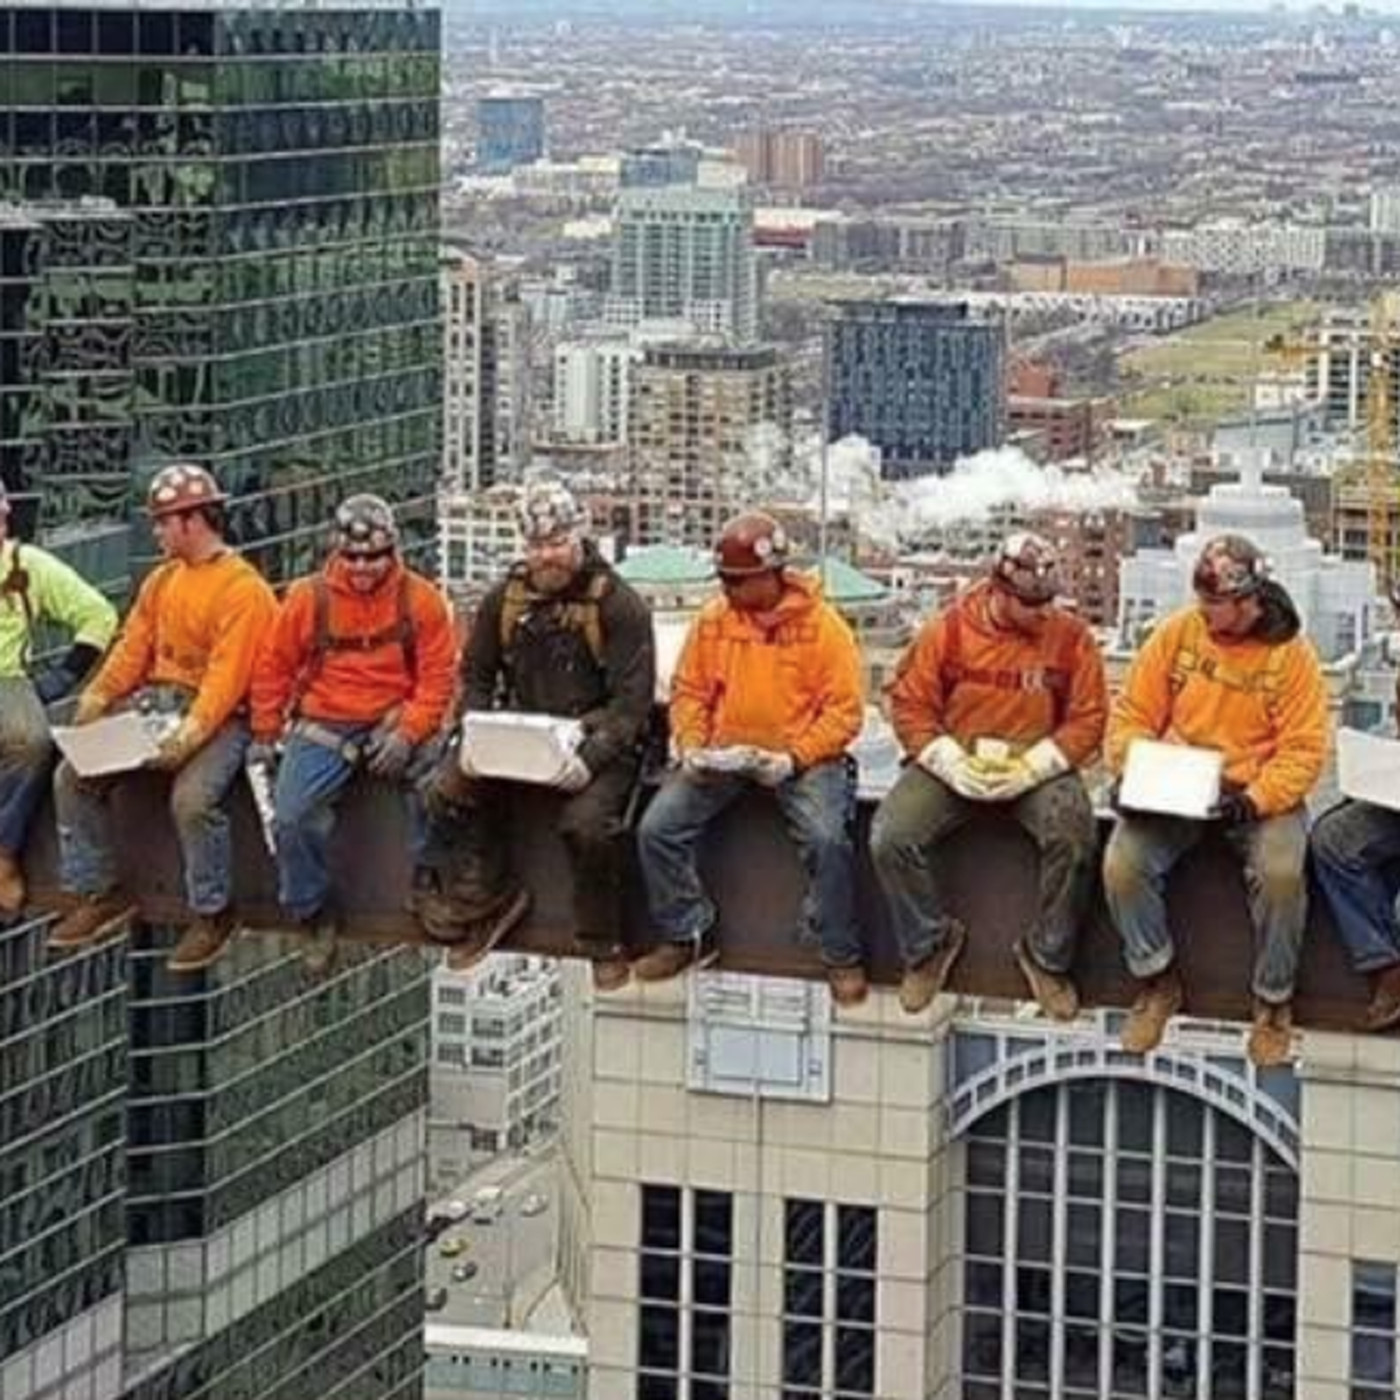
<point>26,755</point>
<point>1141,853</point>
<point>310,779</point>
<point>198,806</point>
<point>818,808</point>
<point>1354,848</point>
<point>920,812</point>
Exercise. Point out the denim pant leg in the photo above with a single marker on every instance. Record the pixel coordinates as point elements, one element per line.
<point>819,809</point>
<point>1274,852</point>
<point>1141,853</point>
<point>87,858</point>
<point>668,842</point>
<point>917,813</point>
<point>426,758</point>
<point>26,755</point>
<point>1059,818</point>
<point>1351,845</point>
<point>199,806</point>
<point>309,779</point>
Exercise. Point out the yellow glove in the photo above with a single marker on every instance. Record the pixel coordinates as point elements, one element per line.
<point>91,706</point>
<point>179,746</point>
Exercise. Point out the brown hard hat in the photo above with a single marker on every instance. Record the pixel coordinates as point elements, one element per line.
<point>1028,568</point>
<point>180,488</point>
<point>752,543</point>
<point>1230,566</point>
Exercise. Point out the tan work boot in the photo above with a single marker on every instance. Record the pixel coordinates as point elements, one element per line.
<point>671,959</point>
<point>611,970</point>
<point>1383,1010</point>
<point>848,984</point>
<point>91,920</point>
<point>318,944</point>
<point>1159,1000</point>
<point>1055,992</point>
<point>203,942</point>
<point>926,979</point>
<point>1271,1035</point>
<point>11,884</point>
<point>484,934</point>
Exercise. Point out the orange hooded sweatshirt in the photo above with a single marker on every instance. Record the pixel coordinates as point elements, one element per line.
<point>356,684</point>
<point>965,676</point>
<point>789,680</point>
<point>1261,700</point>
<point>192,625</point>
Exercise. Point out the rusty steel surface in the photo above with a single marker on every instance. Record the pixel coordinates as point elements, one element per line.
<point>752,871</point>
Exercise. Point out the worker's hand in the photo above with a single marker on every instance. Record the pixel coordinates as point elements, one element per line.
<point>946,759</point>
<point>772,769</point>
<point>1235,807</point>
<point>574,776</point>
<point>1005,782</point>
<point>178,747</point>
<point>388,753</point>
<point>90,707</point>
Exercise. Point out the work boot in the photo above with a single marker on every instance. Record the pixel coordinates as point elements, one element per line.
<point>848,984</point>
<point>482,935</point>
<point>671,959</point>
<point>203,942</point>
<point>91,920</point>
<point>1383,1010</point>
<point>1271,1035</point>
<point>927,977</point>
<point>1053,990</point>
<point>1158,1001</point>
<point>11,884</point>
<point>318,944</point>
<point>611,969</point>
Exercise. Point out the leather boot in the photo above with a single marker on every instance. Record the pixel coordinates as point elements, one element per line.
<point>1056,993</point>
<point>1383,1010</point>
<point>91,920</point>
<point>1160,998</point>
<point>1271,1035</point>
<point>203,942</point>
<point>11,884</point>
<point>927,978</point>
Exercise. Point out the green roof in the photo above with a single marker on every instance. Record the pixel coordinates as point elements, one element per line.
<point>843,583</point>
<point>667,563</point>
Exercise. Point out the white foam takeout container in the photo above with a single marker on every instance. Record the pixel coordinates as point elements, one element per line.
<point>518,748</point>
<point>1174,779</point>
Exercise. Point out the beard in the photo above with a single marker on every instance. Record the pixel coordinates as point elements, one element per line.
<point>551,578</point>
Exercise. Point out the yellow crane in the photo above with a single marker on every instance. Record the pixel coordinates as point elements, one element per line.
<point>1380,439</point>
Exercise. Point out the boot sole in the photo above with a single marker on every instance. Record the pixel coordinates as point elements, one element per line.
<point>460,961</point>
<point>1177,1003</point>
<point>914,1005</point>
<point>103,931</point>
<point>708,957</point>
<point>208,960</point>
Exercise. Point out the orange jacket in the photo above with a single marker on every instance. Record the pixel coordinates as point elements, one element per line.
<point>1262,702</point>
<point>350,684</point>
<point>192,625</point>
<point>965,676</point>
<point>788,681</point>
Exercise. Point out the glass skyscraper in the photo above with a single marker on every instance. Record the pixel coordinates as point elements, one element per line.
<point>218,241</point>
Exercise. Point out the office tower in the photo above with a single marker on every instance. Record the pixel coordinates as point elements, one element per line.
<point>259,292</point>
<point>686,253</point>
<point>673,163</point>
<point>785,160</point>
<point>509,131</point>
<point>709,429</point>
<point>486,375</point>
<point>593,389</point>
<point>1385,210</point>
<point>922,381</point>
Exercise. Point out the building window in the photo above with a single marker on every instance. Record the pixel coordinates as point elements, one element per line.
<point>829,1256</point>
<point>1373,1331</point>
<point>1127,1239</point>
<point>684,1288</point>
<point>451,1023</point>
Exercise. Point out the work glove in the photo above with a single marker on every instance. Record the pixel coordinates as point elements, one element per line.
<point>772,769</point>
<point>1005,782</point>
<point>90,707</point>
<point>946,759</point>
<point>575,775</point>
<point>1235,807</point>
<point>178,747</point>
<point>387,754</point>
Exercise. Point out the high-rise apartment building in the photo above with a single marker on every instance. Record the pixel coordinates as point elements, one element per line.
<point>486,375</point>
<point>593,389</point>
<point>684,252</point>
<point>780,159</point>
<point>921,381</point>
<point>667,163</point>
<point>708,428</point>
<point>253,284</point>
<point>509,131</point>
<point>1385,209</point>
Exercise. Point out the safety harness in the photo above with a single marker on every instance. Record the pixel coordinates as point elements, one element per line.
<point>1190,660</point>
<point>583,615</point>
<point>16,585</point>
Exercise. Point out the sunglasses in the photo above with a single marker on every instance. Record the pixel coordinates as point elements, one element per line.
<point>373,556</point>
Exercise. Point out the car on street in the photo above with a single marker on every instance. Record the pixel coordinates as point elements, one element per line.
<point>464,1273</point>
<point>455,1210</point>
<point>451,1248</point>
<point>534,1204</point>
<point>436,1300</point>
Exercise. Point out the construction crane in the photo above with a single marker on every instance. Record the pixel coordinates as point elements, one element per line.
<point>1380,439</point>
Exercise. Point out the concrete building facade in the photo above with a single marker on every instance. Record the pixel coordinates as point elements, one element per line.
<point>782,159</point>
<point>593,389</point>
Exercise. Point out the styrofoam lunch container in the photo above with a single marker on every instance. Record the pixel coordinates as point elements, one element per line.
<point>518,748</point>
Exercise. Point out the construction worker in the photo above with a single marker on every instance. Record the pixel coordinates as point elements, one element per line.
<point>1232,673</point>
<point>999,702</point>
<point>357,674</point>
<point>36,587</point>
<point>1354,849</point>
<point>187,650</point>
<point>562,634</point>
<point>767,693</point>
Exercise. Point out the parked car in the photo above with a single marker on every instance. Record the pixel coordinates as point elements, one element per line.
<point>437,1226</point>
<point>455,1210</point>
<point>451,1248</point>
<point>464,1273</point>
<point>436,1300</point>
<point>534,1204</point>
